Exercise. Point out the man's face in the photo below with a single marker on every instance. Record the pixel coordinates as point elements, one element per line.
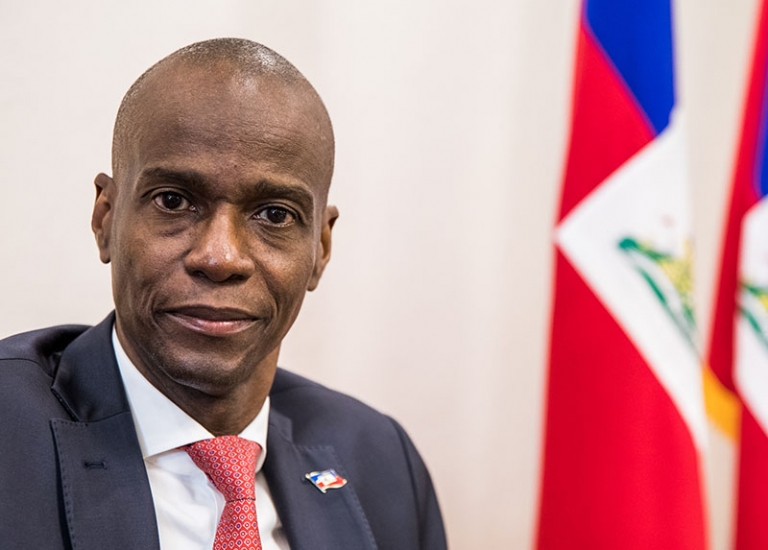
<point>216,227</point>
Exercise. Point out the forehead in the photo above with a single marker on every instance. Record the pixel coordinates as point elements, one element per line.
<point>222,118</point>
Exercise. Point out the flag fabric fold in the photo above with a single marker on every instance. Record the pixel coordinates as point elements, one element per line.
<point>625,420</point>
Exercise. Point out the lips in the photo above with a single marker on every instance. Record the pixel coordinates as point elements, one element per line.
<point>212,321</point>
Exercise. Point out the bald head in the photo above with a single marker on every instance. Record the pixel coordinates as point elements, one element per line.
<point>237,62</point>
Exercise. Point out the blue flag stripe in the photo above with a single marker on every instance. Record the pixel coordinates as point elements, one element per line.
<point>761,170</point>
<point>637,36</point>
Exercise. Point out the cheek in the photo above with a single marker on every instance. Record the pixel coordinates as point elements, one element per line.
<point>289,277</point>
<point>141,267</point>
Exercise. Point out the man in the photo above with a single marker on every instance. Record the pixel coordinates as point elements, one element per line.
<point>132,434</point>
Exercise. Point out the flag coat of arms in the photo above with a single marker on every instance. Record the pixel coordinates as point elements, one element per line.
<point>738,351</point>
<point>625,422</point>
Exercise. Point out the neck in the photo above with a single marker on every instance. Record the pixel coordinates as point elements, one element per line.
<point>224,411</point>
<point>222,416</point>
<point>224,406</point>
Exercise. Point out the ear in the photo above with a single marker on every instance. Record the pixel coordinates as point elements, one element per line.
<point>324,246</point>
<point>101,220</point>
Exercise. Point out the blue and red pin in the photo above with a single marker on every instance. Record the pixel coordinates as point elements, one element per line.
<point>326,479</point>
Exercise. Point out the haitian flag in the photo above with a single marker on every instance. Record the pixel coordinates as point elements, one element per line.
<point>738,351</point>
<point>625,423</point>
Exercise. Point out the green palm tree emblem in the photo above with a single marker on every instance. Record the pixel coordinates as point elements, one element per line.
<point>753,306</point>
<point>669,278</point>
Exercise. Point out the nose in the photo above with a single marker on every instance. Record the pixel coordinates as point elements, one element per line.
<point>220,249</point>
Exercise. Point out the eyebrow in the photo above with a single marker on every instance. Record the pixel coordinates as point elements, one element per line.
<point>197,181</point>
<point>192,177</point>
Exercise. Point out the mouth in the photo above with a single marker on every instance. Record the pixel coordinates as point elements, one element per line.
<point>212,321</point>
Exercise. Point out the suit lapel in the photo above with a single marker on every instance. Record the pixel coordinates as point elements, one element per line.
<point>104,483</point>
<point>312,520</point>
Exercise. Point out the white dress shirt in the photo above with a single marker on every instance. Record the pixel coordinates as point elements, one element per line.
<point>187,505</point>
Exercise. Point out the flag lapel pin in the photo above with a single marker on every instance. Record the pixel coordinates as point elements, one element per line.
<point>327,479</point>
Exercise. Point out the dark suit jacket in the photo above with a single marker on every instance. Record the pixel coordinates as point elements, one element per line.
<point>72,474</point>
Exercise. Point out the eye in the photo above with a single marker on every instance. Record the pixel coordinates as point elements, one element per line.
<point>276,215</point>
<point>168,200</point>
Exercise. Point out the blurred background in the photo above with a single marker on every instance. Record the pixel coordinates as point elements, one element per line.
<point>451,121</point>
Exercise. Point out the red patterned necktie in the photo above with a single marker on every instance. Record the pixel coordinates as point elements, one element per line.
<point>230,463</point>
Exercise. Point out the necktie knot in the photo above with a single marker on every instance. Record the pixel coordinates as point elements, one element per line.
<point>230,463</point>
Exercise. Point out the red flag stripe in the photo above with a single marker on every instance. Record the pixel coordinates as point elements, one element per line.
<point>607,127</point>
<point>751,524</point>
<point>620,468</point>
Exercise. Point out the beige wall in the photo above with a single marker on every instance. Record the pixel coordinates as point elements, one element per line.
<point>451,121</point>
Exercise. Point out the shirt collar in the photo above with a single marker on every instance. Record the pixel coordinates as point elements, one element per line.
<point>161,425</point>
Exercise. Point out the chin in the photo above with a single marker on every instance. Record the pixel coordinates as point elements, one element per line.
<point>214,372</point>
